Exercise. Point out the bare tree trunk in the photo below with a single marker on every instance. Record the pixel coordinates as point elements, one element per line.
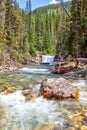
<point>2,12</point>
<point>51,26</point>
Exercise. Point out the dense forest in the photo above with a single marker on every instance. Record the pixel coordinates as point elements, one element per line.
<point>54,29</point>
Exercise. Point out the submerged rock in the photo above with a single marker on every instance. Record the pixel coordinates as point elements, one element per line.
<point>58,88</point>
<point>34,96</point>
<point>83,127</point>
<point>3,121</point>
<point>26,92</point>
<point>9,90</point>
<point>47,127</point>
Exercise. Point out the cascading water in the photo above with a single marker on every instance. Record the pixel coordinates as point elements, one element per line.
<point>47,59</point>
<point>39,114</point>
<point>28,115</point>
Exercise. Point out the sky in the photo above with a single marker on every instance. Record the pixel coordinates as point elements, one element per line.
<point>36,3</point>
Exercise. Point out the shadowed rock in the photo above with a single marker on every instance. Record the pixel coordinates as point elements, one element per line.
<point>58,88</point>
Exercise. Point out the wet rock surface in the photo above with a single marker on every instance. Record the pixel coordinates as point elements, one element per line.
<point>22,107</point>
<point>9,90</point>
<point>62,68</point>
<point>70,65</point>
<point>79,74</point>
<point>77,121</point>
<point>47,127</point>
<point>58,88</point>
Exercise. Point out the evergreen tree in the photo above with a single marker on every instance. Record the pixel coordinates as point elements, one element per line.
<point>46,29</point>
<point>79,25</point>
<point>7,20</point>
<point>38,31</point>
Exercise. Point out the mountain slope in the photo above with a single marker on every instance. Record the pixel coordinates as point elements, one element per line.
<point>51,7</point>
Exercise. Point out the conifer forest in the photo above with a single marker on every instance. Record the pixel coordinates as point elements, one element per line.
<point>53,29</point>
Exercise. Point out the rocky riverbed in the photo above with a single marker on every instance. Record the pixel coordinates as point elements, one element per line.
<point>22,106</point>
<point>71,68</point>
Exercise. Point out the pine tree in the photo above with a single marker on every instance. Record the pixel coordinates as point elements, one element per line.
<point>28,6</point>
<point>7,20</point>
<point>2,32</point>
<point>38,31</point>
<point>79,25</point>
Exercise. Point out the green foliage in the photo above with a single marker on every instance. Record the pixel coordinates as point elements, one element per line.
<point>50,7</point>
<point>47,29</point>
<point>79,27</point>
<point>25,55</point>
<point>82,73</point>
<point>32,49</point>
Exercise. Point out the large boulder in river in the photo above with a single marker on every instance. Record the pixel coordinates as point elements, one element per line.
<point>58,88</point>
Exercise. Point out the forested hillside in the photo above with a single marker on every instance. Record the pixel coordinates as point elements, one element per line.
<point>49,29</point>
<point>51,7</point>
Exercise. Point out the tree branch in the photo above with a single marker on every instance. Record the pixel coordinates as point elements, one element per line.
<point>62,3</point>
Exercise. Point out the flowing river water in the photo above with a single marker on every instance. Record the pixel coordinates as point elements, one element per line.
<point>17,113</point>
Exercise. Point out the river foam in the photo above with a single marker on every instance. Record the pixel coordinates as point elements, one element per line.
<point>22,114</point>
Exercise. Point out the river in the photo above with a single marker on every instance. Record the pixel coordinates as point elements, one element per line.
<point>40,114</point>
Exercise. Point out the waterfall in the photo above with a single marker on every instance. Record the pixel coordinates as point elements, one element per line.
<point>47,59</point>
